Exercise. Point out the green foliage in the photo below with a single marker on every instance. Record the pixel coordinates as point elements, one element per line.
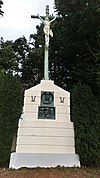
<point>24,58</point>
<point>8,61</point>
<point>29,56</point>
<point>32,66</point>
<point>73,6</point>
<point>75,48</point>
<point>86,117</point>
<point>21,49</point>
<point>10,110</point>
<point>1,12</point>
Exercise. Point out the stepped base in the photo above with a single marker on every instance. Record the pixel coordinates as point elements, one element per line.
<point>31,160</point>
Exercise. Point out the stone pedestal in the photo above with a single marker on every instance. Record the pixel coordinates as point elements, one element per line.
<point>45,135</point>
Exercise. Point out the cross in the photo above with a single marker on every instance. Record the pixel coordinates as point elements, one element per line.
<point>46,20</point>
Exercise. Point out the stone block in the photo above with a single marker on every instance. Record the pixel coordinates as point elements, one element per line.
<point>46,124</point>
<point>48,149</point>
<point>53,132</point>
<point>32,160</point>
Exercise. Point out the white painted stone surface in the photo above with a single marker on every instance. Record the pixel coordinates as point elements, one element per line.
<point>45,140</point>
<point>48,149</point>
<point>45,136</point>
<point>43,160</point>
<point>46,132</point>
<point>45,123</point>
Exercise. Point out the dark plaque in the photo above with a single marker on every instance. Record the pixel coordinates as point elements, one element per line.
<point>46,109</point>
<point>46,112</point>
<point>47,98</point>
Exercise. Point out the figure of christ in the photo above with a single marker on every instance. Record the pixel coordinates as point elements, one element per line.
<point>47,29</point>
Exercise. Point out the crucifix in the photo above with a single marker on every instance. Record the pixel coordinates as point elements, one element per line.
<point>46,20</point>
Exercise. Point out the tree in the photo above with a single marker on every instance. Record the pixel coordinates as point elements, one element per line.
<point>86,114</point>
<point>10,110</point>
<point>29,58</point>
<point>1,12</point>
<point>8,61</point>
<point>24,58</point>
<point>76,43</point>
<point>66,7</point>
<point>32,68</point>
<point>21,49</point>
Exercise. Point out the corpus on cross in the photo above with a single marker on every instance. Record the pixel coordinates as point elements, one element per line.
<point>46,20</point>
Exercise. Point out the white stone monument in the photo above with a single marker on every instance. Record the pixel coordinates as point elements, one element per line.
<point>45,134</point>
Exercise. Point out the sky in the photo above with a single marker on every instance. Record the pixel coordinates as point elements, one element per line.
<point>17,21</point>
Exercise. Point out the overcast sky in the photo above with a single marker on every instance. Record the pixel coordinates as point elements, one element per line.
<point>17,20</point>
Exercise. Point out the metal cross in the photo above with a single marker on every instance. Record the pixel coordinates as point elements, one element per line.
<point>46,20</point>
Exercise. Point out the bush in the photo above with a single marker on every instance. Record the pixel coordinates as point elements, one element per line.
<point>86,117</point>
<point>10,110</point>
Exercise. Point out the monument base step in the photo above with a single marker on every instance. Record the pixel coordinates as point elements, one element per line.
<point>32,160</point>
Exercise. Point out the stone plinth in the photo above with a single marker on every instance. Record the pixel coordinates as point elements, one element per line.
<point>45,135</point>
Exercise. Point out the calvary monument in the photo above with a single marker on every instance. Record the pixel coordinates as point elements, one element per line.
<point>45,135</point>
